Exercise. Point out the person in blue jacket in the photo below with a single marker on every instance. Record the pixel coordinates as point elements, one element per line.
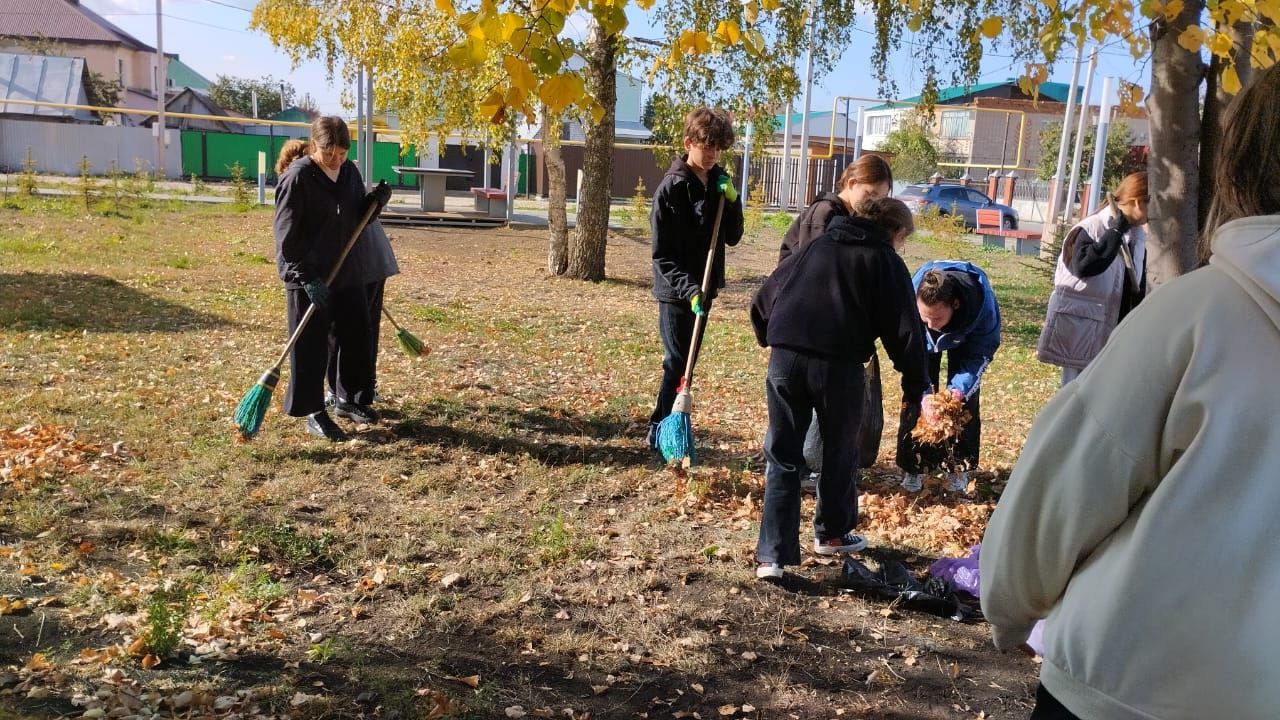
<point>962,318</point>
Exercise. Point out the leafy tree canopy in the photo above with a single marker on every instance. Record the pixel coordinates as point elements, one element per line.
<point>1116,164</point>
<point>233,93</point>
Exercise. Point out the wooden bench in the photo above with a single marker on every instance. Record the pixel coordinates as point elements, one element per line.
<point>491,201</point>
<point>990,225</point>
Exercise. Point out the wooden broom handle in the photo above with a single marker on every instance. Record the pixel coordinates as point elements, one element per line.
<point>700,323</point>
<point>311,309</point>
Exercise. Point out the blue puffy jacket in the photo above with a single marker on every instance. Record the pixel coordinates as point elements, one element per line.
<point>971,346</point>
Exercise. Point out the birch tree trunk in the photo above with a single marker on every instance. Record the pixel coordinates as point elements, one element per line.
<point>1174,165</point>
<point>557,216</point>
<point>587,248</point>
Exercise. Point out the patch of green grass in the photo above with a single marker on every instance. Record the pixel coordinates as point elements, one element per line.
<point>181,262</point>
<point>557,542</point>
<point>283,542</point>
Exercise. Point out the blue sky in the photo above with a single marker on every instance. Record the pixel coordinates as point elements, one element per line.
<point>212,37</point>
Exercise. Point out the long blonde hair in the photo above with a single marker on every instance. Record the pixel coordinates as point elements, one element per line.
<point>1246,173</point>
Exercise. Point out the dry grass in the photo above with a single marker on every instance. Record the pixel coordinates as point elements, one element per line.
<point>504,521</point>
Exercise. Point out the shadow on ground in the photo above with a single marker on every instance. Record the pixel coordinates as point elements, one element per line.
<point>76,301</point>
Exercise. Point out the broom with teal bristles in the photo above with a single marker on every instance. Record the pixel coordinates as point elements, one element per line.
<point>408,342</point>
<point>675,432</point>
<point>253,406</point>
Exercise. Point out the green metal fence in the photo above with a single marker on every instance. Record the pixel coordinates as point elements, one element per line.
<point>211,155</point>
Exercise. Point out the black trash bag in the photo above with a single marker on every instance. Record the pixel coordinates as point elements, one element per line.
<point>895,583</point>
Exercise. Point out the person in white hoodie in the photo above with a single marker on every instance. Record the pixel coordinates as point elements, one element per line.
<point>1140,519</point>
<point>1100,277</point>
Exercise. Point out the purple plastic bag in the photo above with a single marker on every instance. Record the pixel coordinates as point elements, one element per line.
<point>962,573</point>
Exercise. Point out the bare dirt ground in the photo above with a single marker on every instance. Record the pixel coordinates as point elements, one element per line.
<point>502,545</point>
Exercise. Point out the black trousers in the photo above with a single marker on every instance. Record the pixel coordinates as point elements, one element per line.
<point>348,320</point>
<point>342,386</point>
<point>916,458</point>
<point>675,328</point>
<point>1048,708</point>
<point>800,387</point>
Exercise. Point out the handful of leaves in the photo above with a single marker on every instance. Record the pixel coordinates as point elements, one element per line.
<point>948,419</point>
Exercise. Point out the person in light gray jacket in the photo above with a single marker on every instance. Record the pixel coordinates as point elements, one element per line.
<point>1100,277</point>
<point>1140,519</point>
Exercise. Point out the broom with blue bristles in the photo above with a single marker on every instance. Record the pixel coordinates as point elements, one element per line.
<point>253,406</point>
<point>675,432</point>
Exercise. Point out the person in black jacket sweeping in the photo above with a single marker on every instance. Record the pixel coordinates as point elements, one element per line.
<point>683,214</point>
<point>320,199</point>
<point>821,311</point>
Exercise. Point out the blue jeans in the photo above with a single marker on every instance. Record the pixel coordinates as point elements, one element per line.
<point>800,387</point>
<point>675,328</point>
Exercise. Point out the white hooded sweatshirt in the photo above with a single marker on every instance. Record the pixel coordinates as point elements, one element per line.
<point>1143,516</point>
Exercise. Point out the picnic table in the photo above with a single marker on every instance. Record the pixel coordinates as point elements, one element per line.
<point>431,183</point>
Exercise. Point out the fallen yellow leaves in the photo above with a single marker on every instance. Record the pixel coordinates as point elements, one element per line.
<point>950,417</point>
<point>945,527</point>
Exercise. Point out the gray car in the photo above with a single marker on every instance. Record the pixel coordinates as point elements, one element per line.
<point>958,200</point>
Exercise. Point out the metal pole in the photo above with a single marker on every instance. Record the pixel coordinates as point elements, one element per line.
<point>746,165</point>
<point>784,190</point>
<point>804,122</point>
<point>359,133</point>
<point>368,129</point>
<point>511,181</point>
<point>1079,150</point>
<point>161,80</point>
<point>861,131</point>
<point>1055,198</point>
<point>844,145</point>
<point>1100,143</point>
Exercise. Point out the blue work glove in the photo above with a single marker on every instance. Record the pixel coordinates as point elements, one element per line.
<point>317,292</point>
<point>695,302</point>
<point>380,194</point>
<point>725,185</point>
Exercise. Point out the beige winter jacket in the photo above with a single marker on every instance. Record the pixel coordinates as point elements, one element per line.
<point>1143,517</point>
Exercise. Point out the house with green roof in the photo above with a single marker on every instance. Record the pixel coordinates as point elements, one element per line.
<point>987,127</point>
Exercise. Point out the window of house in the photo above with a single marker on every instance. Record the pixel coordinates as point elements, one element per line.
<point>879,124</point>
<point>955,124</point>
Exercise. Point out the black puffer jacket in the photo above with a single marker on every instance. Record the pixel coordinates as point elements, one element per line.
<point>315,217</point>
<point>684,211</point>
<point>811,223</point>
<point>839,293</point>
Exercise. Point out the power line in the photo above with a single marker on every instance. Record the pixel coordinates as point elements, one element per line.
<point>229,5</point>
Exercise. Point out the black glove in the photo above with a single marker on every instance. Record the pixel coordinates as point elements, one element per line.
<point>1118,221</point>
<point>380,194</point>
<point>317,292</point>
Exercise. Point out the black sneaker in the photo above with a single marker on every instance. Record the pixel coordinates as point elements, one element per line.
<point>321,425</point>
<point>358,413</point>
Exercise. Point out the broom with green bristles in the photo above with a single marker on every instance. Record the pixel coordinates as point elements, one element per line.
<point>408,342</point>
<point>675,432</point>
<point>253,406</point>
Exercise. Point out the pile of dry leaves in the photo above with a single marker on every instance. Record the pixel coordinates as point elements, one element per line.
<point>36,452</point>
<point>923,522</point>
<point>949,418</point>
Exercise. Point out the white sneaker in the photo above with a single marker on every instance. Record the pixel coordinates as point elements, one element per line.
<point>912,482</point>
<point>769,571</point>
<point>958,482</point>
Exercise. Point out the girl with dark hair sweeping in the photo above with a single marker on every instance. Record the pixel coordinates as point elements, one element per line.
<point>320,200</point>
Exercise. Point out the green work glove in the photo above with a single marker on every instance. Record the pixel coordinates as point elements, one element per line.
<point>727,189</point>
<point>695,302</point>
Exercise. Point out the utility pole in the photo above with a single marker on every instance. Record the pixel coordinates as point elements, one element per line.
<point>162,80</point>
<point>804,122</point>
<point>1055,198</point>
<point>1079,151</point>
<point>1100,143</point>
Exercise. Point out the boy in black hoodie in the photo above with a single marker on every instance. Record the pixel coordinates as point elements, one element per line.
<point>820,312</point>
<point>684,212</point>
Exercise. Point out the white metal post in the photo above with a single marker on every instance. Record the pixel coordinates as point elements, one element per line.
<point>1056,196</point>
<point>1079,150</point>
<point>746,166</point>
<point>1100,142</point>
<point>803,200</point>
<point>368,124</point>
<point>162,79</point>
<point>784,192</point>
